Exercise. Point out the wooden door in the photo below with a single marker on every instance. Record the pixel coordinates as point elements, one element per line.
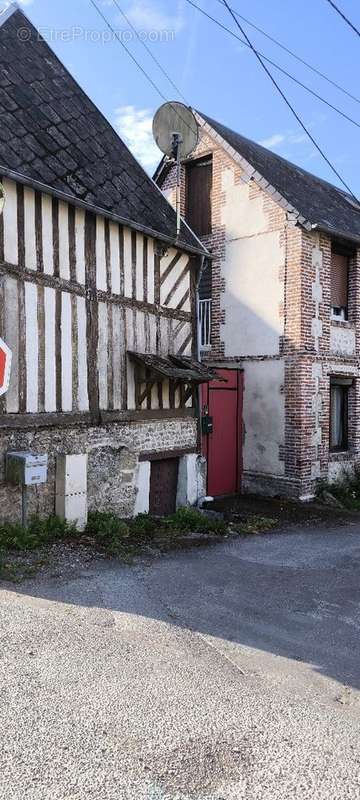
<point>163,486</point>
<point>223,447</point>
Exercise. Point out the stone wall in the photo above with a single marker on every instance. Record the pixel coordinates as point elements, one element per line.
<point>113,458</point>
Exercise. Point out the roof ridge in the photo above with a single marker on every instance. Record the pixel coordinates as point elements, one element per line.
<point>8,11</point>
<point>275,155</point>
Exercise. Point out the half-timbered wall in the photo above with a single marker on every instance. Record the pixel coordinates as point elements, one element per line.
<point>77,292</point>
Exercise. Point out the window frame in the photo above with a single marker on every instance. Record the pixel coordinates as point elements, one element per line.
<point>344,384</point>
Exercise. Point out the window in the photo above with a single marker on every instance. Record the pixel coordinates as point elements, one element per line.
<point>339,285</point>
<point>198,195</point>
<point>339,413</point>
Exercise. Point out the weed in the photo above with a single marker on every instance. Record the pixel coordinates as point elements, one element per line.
<point>190,520</point>
<point>108,531</point>
<point>255,524</point>
<point>346,490</point>
<point>39,532</point>
<point>144,525</point>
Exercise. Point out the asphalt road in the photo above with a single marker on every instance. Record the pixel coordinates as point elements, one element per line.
<point>223,673</point>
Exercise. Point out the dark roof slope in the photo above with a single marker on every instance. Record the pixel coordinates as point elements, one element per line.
<point>321,203</point>
<point>51,132</point>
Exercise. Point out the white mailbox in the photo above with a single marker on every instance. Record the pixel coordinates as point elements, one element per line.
<point>26,469</point>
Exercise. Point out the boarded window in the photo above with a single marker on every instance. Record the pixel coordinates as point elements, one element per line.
<point>339,282</point>
<point>198,196</point>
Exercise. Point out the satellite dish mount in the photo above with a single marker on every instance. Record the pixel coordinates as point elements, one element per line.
<point>176,133</point>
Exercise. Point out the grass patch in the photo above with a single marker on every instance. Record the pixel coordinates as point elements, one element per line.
<point>190,520</point>
<point>254,524</point>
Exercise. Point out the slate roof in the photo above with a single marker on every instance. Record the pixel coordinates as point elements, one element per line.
<point>51,132</point>
<point>321,203</point>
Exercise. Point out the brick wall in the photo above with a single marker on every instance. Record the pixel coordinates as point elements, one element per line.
<point>311,345</point>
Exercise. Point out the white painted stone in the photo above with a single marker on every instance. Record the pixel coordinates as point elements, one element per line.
<point>29,229</point>
<point>47,234</point>
<point>118,351</point>
<point>142,501</point>
<point>115,258</point>
<point>66,352</point>
<point>80,244</point>
<point>101,280</point>
<point>103,356</point>
<point>71,488</point>
<point>32,348</point>
<point>191,480</point>
<point>50,355</point>
<point>316,403</point>
<point>317,292</point>
<point>317,371</point>
<point>315,470</point>
<point>10,222</point>
<point>12,340</point>
<point>64,255</point>
<point>140,332</point>
<point>342,340</point>
<point>151,270</point>
<point>127,263</point>
<point>317,257</point>
<point>139,266</point>
<point>129,317</point>
<point>83,398</point>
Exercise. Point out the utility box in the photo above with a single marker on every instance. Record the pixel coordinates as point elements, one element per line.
<point>71,488</point>
<point>26,469</point>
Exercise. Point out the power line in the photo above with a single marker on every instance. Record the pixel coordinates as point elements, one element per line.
<point>149,51</point>
<point>129,53</point>
<point>294,55</point>
<point>278,88</point>
<point>273,63</point>
<point>118,38</point>
<point>346,19</point>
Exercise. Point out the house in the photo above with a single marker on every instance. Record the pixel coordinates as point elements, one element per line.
<point>284,298</point>
<point>96,302</point>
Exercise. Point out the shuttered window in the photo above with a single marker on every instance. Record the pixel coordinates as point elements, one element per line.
<point>198,196</point>
<point>339,283</point>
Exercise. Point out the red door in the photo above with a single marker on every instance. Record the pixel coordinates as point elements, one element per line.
<point>223,447</point>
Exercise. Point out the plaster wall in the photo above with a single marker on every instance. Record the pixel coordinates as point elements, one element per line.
<point>264,417</point>
<point>251,273</point>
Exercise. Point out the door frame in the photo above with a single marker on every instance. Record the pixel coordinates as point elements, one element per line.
<point>239,388</point>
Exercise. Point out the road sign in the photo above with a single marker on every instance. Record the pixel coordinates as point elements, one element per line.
<point>5,367</point>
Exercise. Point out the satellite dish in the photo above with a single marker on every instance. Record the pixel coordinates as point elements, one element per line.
<point>175,130</point>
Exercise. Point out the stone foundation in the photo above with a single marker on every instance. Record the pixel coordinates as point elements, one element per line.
<point>115,475</point>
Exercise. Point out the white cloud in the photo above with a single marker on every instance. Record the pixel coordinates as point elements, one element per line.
<point>287,138</point>
<point>134,125</point>
<point>147,15</point>
<point>272,141</point>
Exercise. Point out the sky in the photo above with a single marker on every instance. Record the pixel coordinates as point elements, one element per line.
<point>215,72</point>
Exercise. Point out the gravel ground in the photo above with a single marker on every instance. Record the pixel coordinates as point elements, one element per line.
<point>216,674</point>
